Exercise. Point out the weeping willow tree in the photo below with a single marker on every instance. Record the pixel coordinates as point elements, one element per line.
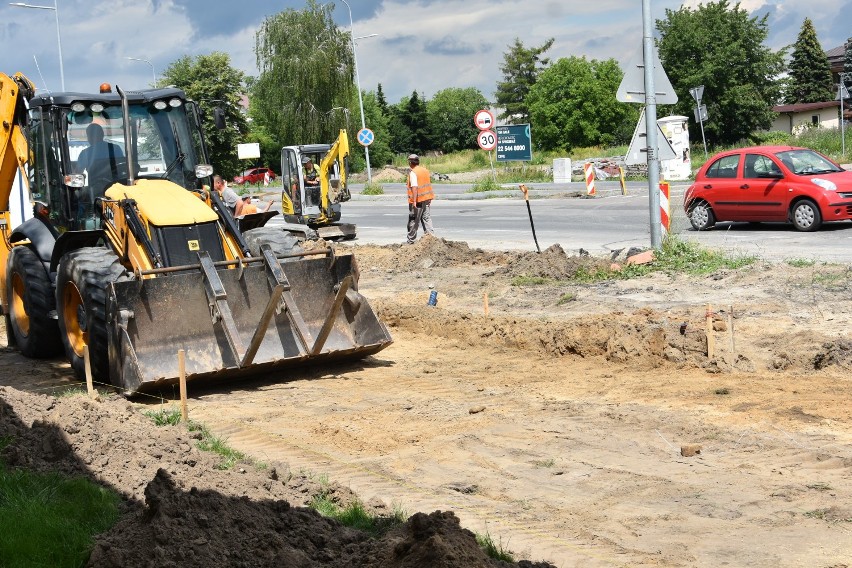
<point>306,80</point>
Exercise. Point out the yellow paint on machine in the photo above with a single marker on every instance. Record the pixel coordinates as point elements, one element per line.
<point>163,203</point>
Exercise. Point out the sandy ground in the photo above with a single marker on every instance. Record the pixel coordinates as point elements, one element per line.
<point>581,425</point>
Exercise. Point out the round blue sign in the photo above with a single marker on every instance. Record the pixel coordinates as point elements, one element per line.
<point>366,137</point>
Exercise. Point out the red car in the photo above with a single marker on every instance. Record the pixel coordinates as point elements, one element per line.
<point>254,175</point>
<point>769,183</point>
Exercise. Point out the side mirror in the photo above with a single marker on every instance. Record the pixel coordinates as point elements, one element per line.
<point>219,118</point>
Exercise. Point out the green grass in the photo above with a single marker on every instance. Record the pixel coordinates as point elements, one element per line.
<point>566,298</point>
<point>373,188</point>
<point>800,262</point>
<point>494,549</point>
<point>48,520</point>
<point>164,416</point>
<point>674,257</point>
<point>485,184</point>
<point>356,516</point>
<point>531,281</point>
<point>210,443</point>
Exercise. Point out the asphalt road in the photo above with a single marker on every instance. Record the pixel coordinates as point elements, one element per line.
<point>564,215</point>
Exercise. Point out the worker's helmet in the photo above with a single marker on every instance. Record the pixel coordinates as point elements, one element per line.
<point>414,158</point>
<point>305,159</point>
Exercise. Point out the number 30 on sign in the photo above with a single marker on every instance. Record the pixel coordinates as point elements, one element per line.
<point>486,139</point>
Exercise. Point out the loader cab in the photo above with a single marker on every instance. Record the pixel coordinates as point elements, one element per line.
<point>70,175</point>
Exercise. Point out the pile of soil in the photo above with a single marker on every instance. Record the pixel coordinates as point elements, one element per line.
<point>181,509</point>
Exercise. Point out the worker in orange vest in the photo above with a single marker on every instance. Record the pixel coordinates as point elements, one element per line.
<point>419,198</point>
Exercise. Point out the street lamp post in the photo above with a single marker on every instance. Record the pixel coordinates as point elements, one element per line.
<point>153,73</point>
<point>358,85</point>
<point>55,8</point>
<point>843,93</point>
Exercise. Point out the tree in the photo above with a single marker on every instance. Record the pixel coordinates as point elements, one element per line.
<point>810,74</point>
<point>212,82</point>
<point>521,68</point>
<point>720,47</point>
<point>382,102</point>
<point>847,62</point>
<point>409,126</point>
<point>573,104</point>
<point>450,118</point>
<point>306,75</point>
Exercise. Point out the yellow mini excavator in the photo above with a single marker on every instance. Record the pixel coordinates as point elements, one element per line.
<point>114,251</point>
<point>309,208</point>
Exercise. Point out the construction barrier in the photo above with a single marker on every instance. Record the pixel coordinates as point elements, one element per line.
<point>589,170</point>
<point>621,177</point>
<point>665,219</point>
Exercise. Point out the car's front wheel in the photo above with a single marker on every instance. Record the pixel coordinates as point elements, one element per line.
<point>806,216</point>
<point>701,216</point>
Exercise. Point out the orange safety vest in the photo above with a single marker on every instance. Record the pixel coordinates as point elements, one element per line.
<point>423,188</point>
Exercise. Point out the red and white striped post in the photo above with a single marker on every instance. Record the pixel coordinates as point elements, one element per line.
<point>665,219</point>
<point>589,170</point>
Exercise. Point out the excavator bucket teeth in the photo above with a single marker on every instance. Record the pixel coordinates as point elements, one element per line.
<point>237,321</point>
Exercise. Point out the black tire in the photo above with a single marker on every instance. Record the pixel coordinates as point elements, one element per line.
<point>281,241</point>
<point>701,216</point>
<point>806,216</point>
<point>83,277</point>
<point>29,296</point>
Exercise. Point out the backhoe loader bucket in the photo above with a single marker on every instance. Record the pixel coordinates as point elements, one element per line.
<point>238,318</point>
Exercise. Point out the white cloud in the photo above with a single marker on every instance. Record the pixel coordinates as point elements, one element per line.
<point>423,46</point>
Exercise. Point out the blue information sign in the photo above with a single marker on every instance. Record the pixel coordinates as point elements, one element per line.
<point>514,143</point>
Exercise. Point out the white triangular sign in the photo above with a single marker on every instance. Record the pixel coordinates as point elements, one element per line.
<point>637,153</point>
<point>632,88</point>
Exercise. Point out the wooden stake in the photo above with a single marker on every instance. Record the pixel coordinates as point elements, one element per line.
<point>485,302</point>
<point>711,340</point>
<point>184,412</point>
<point>731,332</point>
<point>87,364</point>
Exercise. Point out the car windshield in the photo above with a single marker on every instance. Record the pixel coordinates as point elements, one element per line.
<point>163,140</point>
<point>806,162</point>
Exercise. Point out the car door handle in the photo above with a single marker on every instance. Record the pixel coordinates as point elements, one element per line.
<point>744,186</point>
<point>708,186</point>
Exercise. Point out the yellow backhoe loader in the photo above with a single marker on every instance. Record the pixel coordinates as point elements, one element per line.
<point>114,252</point>
<point>316,208</point>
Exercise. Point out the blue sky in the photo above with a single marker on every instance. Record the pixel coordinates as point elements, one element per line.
<point>423,45</point>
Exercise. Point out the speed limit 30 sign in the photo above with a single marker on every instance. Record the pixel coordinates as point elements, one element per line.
<point>486,139</point>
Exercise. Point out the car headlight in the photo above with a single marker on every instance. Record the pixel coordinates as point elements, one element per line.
<point>825,184</point>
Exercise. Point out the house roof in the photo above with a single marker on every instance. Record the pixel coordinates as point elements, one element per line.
<point>836,57</point>
<point>804,107</point>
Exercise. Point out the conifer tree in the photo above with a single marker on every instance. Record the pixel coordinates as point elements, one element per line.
<point>810,73</point>
<point>521,67</point>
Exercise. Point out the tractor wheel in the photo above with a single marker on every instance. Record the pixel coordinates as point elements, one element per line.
<point>29,296</point>
<point>279,240</point>
<point>82,280</point>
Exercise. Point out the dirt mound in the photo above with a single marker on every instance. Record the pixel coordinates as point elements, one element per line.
<point>180,509</point>
<point>428,252</point>
<point>553,263</point>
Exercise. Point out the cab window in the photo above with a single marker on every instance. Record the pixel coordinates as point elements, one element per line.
<point>757,166</point>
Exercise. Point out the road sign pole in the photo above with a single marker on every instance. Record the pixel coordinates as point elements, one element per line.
<point>651,127</point>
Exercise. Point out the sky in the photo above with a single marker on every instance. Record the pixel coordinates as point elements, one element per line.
<point>422,45</point>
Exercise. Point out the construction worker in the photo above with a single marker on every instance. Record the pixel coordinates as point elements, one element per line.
<point>419,198</point>
<point>228,195</point>
<point>312,181</point>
